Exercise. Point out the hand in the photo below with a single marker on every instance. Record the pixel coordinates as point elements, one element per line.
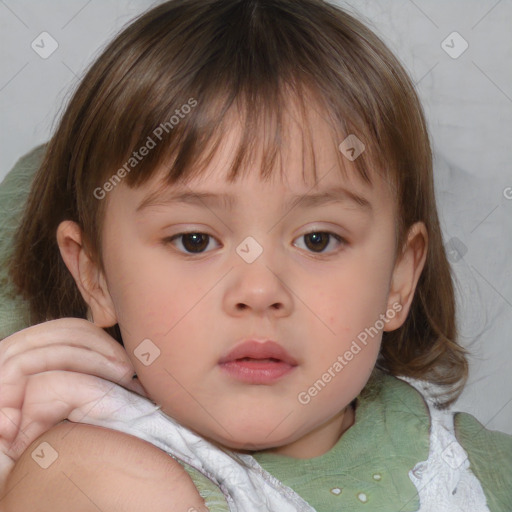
<point>50,371</point>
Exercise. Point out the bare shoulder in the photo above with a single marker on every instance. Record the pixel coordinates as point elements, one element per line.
<point>93,468</point>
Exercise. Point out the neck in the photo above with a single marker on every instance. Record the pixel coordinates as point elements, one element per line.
<point>321,440</point>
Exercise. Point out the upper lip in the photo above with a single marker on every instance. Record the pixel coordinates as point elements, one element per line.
<point>258,350</point>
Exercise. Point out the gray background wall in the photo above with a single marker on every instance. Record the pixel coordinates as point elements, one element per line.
<point>468,102</point>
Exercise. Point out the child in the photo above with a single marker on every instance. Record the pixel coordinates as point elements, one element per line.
<point>266,314</point>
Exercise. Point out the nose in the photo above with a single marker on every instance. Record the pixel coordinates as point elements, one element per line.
<point>258,288</point>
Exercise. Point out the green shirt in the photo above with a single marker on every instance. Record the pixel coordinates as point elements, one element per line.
<point>368,467</point>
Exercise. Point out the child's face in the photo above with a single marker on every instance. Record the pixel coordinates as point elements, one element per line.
<point>311,295</point>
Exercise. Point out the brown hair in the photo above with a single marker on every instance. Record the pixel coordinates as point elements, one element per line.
<point>254,53</point>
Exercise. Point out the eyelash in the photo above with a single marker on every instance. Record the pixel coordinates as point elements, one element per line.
<point>170,240</point>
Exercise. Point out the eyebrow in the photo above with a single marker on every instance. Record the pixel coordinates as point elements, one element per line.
<point>227,201</point>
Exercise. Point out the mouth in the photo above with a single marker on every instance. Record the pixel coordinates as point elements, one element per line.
<point>255,362</point>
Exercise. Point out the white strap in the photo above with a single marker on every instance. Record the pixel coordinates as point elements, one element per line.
<point>444,481</point>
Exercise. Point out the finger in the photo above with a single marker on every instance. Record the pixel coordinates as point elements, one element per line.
<point>10,421</point>
<point>57,357</point>
<point>76,331</point>
<point>63,357</point>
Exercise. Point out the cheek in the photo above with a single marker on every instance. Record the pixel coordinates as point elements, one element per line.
<point>356,295</point>
<point>148,296</point>
<point>154,311</point>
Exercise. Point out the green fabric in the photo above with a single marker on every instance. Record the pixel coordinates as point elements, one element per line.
<point>14,189</point>
<point>490,457</point>
<point>389,436</point>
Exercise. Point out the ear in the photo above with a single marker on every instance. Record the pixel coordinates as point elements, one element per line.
<point>406,274</point>
<point>89,279</point>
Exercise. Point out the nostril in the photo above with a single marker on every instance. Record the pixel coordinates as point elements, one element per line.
<point>242,306</point>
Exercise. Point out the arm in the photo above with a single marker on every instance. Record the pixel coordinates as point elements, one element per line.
<point>98,469</point>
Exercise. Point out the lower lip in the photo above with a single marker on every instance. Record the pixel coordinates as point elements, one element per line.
<point>257,372</point>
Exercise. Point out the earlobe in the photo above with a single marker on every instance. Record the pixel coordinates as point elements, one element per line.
<point>87,276</point>
<point>406,274</point>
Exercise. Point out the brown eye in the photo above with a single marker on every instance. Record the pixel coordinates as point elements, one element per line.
<point>192,243</point>
<point>318,241</point>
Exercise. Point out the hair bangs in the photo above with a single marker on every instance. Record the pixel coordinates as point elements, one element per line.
<point>261,120</point>
<point>225,67</point>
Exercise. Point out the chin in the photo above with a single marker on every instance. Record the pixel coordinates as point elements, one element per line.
<point>244,432</point>
<point>247,447</point>
<point>252,441</point>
